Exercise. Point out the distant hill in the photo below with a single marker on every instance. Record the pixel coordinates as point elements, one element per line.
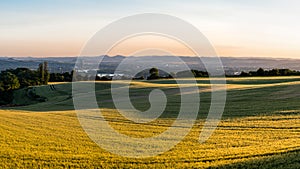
<point>66,64</point>
<point>54,64</point>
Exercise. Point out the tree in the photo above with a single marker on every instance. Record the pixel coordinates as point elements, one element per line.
<point>43,73</point>
<point>260,72</point>
<point>244,74</point>
<point>198,73</point>
<point>1,87</point>
<point>285,72</point>
<point>274,72</point>
<point>154,73</point>
<point>46,73</point>
<point>26,77</point>
<point>9,81</point>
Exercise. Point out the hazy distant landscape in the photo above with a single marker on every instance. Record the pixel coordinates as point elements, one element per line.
<point>109,63</point>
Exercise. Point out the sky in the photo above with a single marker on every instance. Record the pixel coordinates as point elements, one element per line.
<point>238,28</point>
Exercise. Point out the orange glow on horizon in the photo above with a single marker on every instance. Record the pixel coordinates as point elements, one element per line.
<point>130,46</point>
<point>138,44</point>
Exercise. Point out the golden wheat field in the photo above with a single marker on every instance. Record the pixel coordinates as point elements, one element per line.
<point>260,128</point>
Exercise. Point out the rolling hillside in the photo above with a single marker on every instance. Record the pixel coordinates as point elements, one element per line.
<point>260,128</point>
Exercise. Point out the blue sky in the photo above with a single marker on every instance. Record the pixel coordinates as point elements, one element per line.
<point>266,28</point>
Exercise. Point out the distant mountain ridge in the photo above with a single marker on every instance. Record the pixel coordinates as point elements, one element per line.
<point>109,63</point>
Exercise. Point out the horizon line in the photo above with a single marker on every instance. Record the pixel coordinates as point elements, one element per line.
<point>242,57</point>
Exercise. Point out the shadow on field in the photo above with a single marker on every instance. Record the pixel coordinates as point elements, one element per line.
<point>239,102</point>
<point>289,159</point>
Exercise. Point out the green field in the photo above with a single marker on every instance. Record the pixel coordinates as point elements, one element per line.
<point>260,127</point>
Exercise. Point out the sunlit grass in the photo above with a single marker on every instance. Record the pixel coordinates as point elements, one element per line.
<point>260,128</point>
<point>57,140</point>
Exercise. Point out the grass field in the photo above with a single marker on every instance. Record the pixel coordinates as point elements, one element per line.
<point>260,128</point>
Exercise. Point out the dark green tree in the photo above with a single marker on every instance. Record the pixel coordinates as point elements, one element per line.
<point>9,81</point>
<point>43,73</point>
<point>260,72</point>
<point>46,73</point>
<point>154,73</point>
<point>1,87</point>
<point>243,74</point>
<point>26,77</point>
<point>274,72</point>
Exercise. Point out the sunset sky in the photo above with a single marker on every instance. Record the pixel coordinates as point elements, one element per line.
<point>257,28</point>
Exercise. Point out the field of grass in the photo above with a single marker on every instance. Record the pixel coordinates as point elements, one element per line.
<point>260,128</point>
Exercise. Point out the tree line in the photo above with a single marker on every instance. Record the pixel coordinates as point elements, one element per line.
<point>155,73</point>
<point>272,72</point>
<point>13,79</point>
